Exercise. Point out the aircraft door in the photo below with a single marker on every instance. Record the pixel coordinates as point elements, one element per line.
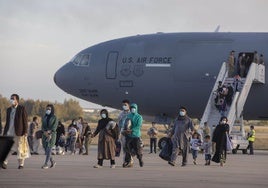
<point>111,65</point>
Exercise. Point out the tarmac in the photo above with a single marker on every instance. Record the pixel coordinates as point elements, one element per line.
<point>77,171</point>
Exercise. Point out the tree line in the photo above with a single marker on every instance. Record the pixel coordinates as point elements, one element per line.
<point>69,109</point>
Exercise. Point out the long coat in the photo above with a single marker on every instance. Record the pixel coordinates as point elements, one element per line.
<point>52,126</point>
<point>107,137</point>
<point>219,137</point>
<point>181,131</point>
<point>20,121</point>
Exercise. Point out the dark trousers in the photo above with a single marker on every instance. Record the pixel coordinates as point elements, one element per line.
<point>153,144</point>
<point>250,147</point>
<point>100,162</point>
<point>133,148</point>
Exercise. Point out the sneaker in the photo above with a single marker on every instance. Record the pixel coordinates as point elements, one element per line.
<point>171,163</point>
<point>20,167</point>
<point>85,153</point>
<point>45,166</point>
<point>97,166</point>
<point>112,166</point>
<point>127,165</point>
<point>53,164</point>
<point>3,165</point>
<point>194,162</point>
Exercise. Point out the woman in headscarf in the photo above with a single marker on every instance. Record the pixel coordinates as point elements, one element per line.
<point>108,133</point>
<point>49,126</point>
<point>220,138</point>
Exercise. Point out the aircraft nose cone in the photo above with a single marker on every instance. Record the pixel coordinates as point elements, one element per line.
<point>55,78</point>
<point>59,78</point>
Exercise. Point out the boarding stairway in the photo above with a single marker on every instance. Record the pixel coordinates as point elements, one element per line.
<point>234,113</point>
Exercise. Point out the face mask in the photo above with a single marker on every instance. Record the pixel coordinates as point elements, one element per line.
<point>223,122</point>
<point>125,107</point>
<point>182,113</point>
<point>12,102</point>
<point>48,112</point>
<point>74,123</point>
<point>103,116</point>
<point>133,110</point>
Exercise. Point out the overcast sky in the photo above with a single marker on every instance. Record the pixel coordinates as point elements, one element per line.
<point>37,37</point>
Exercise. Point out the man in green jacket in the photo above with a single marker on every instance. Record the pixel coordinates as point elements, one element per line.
<point>134,143</point>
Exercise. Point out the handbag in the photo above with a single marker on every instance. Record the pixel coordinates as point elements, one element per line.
<point>229,144</point>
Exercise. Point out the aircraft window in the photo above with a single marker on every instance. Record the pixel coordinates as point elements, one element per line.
<point>85,61</point>
<point>81,60</point>
<point>77,59</point>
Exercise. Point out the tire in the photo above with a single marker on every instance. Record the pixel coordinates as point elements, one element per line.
<point>234,151</point>
<point>162,142</point>
<point>244,151</point>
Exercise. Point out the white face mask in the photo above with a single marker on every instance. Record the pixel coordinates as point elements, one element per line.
<point>133,110</point>
<point>223,122</point>
<point>103,116</point>
<point>12,102</point>
<point>48,112</point>
<point>182,113</point>
<point>125,107</point>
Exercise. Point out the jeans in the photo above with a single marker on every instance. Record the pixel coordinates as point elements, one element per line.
<point>48,152</point>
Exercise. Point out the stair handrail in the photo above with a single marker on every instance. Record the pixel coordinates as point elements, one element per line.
<point>221,76</point>
<point>232,111</point>
<point>245,89</point>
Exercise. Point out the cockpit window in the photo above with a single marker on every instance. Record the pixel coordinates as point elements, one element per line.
<point>85,60</point>
<point>81,60</point>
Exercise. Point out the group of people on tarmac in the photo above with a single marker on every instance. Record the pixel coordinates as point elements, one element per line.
<point>127,131</point>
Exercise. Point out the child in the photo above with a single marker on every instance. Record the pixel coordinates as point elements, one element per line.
<point>207,149</point>
<point>152,132</point>
<point>195,143</point>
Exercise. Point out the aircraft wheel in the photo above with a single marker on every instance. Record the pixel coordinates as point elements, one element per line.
<point>234,151</point>
<point>162,142</point>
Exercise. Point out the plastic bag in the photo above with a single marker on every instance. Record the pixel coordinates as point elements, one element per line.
<point>166,151</point>
<point>229,144</point>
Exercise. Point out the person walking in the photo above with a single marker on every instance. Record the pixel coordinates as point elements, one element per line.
<point>181,133</point>
<point>33,141</point>
<point>60,138</point>
<point>195,144</point>
<point>134,142</point>
<point>207,146</point>
<point>152,132</point>
<point>251,139</point>
<point>49,126</point>
<point>32,130</point>
<point>17,127</point>
<point>108,133</point>
<point>87,137</point>
<point>220,139</point>
<point>121,122</point>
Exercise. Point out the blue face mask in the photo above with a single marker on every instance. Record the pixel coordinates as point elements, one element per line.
<point>133,110</point>
<point>48,112</point>
<point>125,107</point>
<point>182,113</point>
<point>103,116</point>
